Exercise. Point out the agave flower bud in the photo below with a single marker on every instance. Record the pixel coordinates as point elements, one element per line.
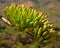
<point>39,33</point>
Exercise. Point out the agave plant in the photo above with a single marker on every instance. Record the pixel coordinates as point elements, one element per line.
<point>30,21</point>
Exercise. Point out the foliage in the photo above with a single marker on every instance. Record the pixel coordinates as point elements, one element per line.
<point>32,22</point>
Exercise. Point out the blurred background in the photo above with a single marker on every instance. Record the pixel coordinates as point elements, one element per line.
<point>49,7</point>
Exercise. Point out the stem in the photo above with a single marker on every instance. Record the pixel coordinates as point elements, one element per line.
<point>5,20</point>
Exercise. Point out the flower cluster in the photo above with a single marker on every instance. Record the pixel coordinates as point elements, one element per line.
<point>30,21</point>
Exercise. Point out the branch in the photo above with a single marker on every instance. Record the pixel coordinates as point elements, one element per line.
<point>5,20</point>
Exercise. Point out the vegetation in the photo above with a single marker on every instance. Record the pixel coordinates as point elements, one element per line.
<point>51,7</point>
<point>11,38</point>
<point>30,26</point>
